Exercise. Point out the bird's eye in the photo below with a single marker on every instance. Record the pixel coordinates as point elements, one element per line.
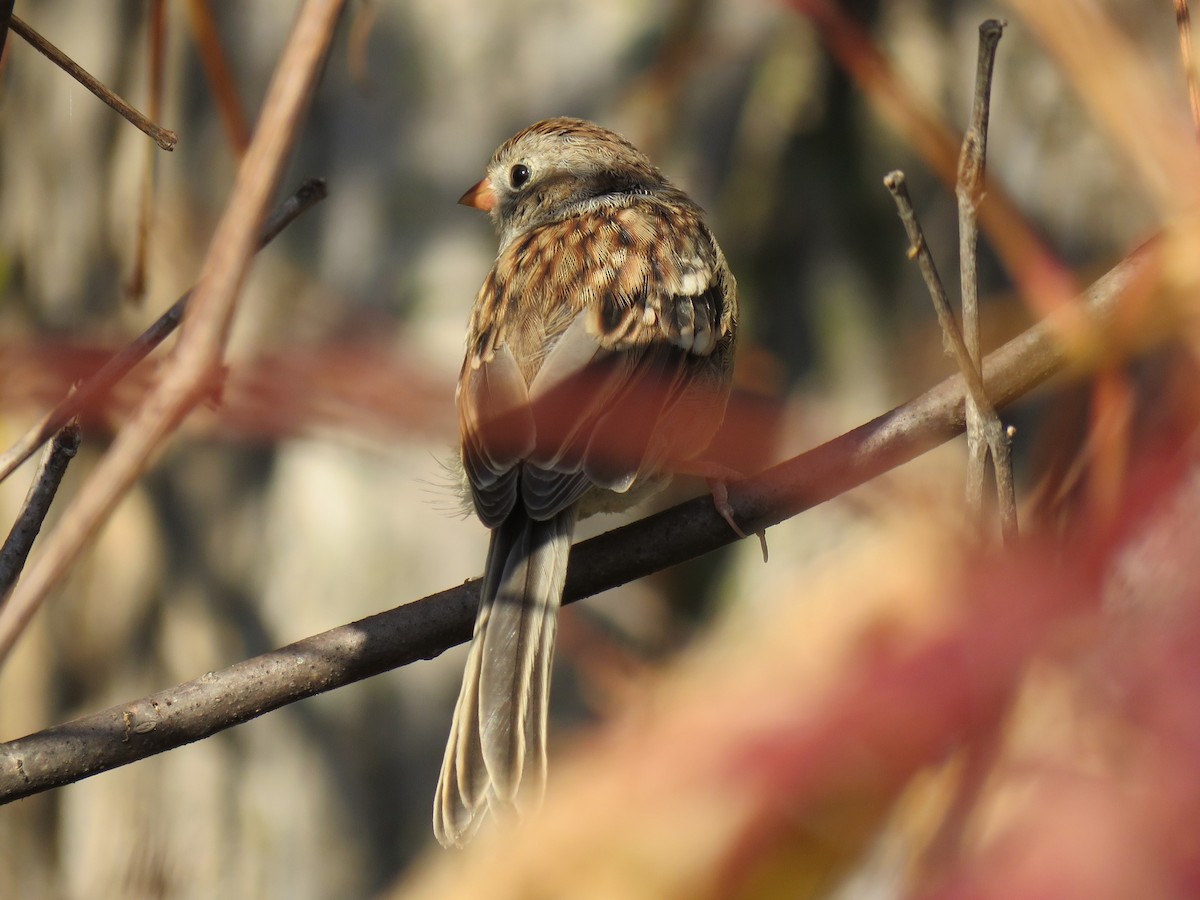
<point>518,175</point>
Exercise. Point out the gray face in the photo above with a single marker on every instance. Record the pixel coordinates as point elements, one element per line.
<point>559,167</point>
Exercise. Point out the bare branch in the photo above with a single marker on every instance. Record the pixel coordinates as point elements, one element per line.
<point>918,249</point>
<point>1045,284</point>
<point>308,195</point>
<point>984,431</point>
<point>164,137</point>
<point>220,79</point>
<point>426,627</point>
<point>188,374</point>
<point>951,335</point>
<point>156,34</point>
<point>994,433</point>
<point>33,512</point>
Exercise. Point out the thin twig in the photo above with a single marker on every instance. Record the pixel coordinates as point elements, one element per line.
<point>6,8</point>
<point>51,470</point>
<point>99,384</point>
<point>424,628</point>
<point>972,165</point>
<point>156,36</point>
<point>994,432</point>
<point>164,137</point>
<point>361,27</point>
<point>220,79</point>
<point>1183,21</point>
<point>919,250</point>
<point>188,374</point>
<point>1045,284</point>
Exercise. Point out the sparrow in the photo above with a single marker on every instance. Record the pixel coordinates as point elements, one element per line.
<point>599,358</point>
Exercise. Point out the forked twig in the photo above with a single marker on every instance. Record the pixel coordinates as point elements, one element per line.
<point>972,165</point>
<point>107,376</point>
<point>164,137</point>
<point>993,430</point>
<point>985,432</point>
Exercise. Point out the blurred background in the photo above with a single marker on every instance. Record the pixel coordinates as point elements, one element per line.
<point>315,493</point>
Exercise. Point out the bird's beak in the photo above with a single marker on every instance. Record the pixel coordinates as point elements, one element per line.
<point>481,196</point>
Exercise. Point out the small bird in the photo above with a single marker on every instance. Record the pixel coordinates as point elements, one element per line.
<point>599,357</point>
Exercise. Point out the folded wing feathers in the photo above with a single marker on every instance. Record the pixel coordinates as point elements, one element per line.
<point>497,431</point>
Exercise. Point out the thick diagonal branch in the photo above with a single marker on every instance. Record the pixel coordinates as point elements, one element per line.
<point>426,627</point>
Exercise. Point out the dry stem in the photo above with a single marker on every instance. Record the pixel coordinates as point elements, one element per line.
<point>426,627</point>
<point>984,431</point>
<point>187,375</point>
<point>50,472</point>
<point>164,137</point>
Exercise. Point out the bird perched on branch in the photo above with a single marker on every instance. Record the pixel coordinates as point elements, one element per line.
<point>599,358</point>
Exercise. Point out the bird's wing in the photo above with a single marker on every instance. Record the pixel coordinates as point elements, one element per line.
<point>615,315</point>
<point>496,428</point>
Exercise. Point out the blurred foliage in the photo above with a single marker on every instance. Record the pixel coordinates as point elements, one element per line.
<point>815,740</point>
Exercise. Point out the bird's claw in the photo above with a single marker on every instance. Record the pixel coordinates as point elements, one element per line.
<point>720,495</point>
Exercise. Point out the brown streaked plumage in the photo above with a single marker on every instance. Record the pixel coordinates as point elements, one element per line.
<point>600,351</point>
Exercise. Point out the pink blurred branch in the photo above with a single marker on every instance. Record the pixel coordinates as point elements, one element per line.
<point>425,628</point>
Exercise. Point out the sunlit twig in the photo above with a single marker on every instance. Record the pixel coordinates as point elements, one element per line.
<point>164,137</point>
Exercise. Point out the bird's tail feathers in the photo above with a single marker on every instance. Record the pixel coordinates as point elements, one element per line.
<point>496,754</point>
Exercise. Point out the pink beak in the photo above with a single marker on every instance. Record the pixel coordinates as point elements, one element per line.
<point>481,196</point>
